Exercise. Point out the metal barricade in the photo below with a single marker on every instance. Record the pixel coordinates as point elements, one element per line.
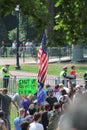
<point>57,80</point>
<point>53,81</point>
<point>11,85</point>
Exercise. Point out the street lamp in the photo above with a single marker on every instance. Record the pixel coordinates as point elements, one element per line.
<point>17,49</point>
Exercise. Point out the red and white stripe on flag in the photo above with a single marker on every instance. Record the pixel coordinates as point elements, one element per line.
<point>43,65</point>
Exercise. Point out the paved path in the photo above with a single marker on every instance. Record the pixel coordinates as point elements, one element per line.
<point>27,74</point>
<point>18,74</point>
<point>12,61</point>
<point>28,60</point>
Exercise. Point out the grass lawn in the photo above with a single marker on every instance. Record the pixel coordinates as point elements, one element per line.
<point>53,69</point>
<point>13,116</point>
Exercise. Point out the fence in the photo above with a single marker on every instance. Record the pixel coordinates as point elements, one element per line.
<point>69,53</point>
<point>57,52</point>
<point>12,87</point>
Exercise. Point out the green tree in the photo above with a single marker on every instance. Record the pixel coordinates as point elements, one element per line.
<point>71,18</point>
<point>3,31</point>
<point>12,34</point>
<point>33,9</point>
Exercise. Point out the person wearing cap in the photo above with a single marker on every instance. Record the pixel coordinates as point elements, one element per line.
<point>63,75</point>
<point>6,75</point>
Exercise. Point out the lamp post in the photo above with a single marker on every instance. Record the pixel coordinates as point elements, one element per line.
<point>17,49</point>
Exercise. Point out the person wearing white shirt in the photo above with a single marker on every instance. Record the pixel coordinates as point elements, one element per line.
<point>14,46</point>
<point>35,125</point>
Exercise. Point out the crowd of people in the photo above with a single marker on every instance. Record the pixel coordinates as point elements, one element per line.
<point>24,47</point>
<point>64,106</point>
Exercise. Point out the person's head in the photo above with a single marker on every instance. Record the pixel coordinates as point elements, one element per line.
<point>65,68</point>
<point>47,106</point>
<point>61,86</point>
<point>48,86</point>
<point>57,86</point>
<point>21,112</point>
<point>73,85</point>
<point>57,106</point>
<point>63,92</point>
<point>24,125</point>
<point>37,117</point>
<point>7,65</point>
<point>32,109</point>
<point>50,92</point>
<point>73,67</point>
<point>30,96</point>
<point>4,91</point>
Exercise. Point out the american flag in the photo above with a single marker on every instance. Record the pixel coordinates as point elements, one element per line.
<point>43,61</point>
<point>42,73</point>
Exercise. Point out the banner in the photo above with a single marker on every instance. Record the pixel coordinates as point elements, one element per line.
<point>27,86</point>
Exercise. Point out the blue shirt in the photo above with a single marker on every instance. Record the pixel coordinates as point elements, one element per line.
<point>19,120</point>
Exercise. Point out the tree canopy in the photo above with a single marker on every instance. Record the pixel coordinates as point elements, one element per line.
<point>65,19</point>
<point>35,8</point>
<point>34,13</point>
<point>71,20</point>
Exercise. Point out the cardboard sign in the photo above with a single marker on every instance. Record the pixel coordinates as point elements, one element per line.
<point>27,86</point>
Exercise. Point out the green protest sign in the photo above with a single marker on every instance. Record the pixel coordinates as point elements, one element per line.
<point>27,86</point>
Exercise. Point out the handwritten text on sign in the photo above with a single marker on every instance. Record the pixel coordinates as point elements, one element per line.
<point>27,86</point>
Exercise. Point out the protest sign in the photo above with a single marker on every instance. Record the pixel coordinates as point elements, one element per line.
<point>27,86</point>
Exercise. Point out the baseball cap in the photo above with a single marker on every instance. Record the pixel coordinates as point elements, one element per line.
<point>65,67</point>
